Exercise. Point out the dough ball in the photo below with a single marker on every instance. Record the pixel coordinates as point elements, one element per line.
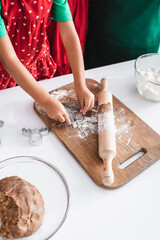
<point>21,208</point>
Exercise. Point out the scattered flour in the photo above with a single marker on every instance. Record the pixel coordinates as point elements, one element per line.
<point>124,128</point>
<point>60,93</point>
<point>103,123</point>
<point>121,110</point>
<point>129,139</point>
<point>148,82</point>
<point>84,125</point>
<point>88,124</point>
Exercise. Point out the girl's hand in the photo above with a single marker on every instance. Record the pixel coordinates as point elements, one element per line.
<point>85,98</point>
<point>56,111</point>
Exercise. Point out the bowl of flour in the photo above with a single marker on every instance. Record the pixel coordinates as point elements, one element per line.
<point>147,74</point>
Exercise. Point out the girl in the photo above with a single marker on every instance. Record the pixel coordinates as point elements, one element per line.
<point>26,49</point>
<point>79,11</point>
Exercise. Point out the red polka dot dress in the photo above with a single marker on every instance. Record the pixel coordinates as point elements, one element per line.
<point>26,22</point>
<point>79,10</point>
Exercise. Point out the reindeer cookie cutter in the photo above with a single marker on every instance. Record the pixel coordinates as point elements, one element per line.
<point>35,135</point>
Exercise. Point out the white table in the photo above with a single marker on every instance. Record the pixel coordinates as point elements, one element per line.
<point>128,213</point>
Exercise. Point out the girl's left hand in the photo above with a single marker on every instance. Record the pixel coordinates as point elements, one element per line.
<point>85,98</point>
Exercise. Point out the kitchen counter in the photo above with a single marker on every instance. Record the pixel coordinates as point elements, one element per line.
<point>128,213</point>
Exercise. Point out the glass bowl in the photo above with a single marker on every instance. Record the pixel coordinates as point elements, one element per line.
<point>51,184</point>
<point>147,74</point>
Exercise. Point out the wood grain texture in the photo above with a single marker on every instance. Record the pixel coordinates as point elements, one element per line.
<point>132,136</point>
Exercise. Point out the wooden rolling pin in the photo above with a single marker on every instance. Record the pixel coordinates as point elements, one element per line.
<point>106,132</point>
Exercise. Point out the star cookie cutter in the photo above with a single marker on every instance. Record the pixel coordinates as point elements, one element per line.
<point>35,135</point>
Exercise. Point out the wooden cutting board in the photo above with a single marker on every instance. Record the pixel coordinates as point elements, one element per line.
<point>132,136</point>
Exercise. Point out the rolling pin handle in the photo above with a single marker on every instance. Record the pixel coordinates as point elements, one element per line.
<point>104,84</point>
<point>108,176</point>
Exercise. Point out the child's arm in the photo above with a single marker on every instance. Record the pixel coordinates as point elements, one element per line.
<point>73,48</point>
<point>21,75</point>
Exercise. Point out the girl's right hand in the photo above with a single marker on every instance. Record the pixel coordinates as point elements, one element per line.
<point>56,111</point>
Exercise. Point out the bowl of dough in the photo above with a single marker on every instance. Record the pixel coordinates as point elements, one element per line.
<point>34,199</point>
<point>147,74</point>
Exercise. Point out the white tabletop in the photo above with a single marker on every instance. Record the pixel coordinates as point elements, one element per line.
<point>128,213</point>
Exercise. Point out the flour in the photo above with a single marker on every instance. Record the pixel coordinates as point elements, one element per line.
<point>105,121</point>
<point>121,110</point>
<point>92,122</point>
<point>84,125</point>
<point>61,93</point>
<point>124,127</point>
<point>151,74</point>
<point>129,139</point>
<point>149,83</point>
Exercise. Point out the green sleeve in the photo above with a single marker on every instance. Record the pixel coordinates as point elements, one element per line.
<point>2,26</point>
<point>61,11</point>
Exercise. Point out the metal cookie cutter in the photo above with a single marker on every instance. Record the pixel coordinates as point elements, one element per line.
<point>35,135</point>
<point>1,125</point>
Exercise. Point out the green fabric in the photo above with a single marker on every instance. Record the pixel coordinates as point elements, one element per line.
<point>61,11</point>
<point>121,30</point>
<point>3,31</point>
